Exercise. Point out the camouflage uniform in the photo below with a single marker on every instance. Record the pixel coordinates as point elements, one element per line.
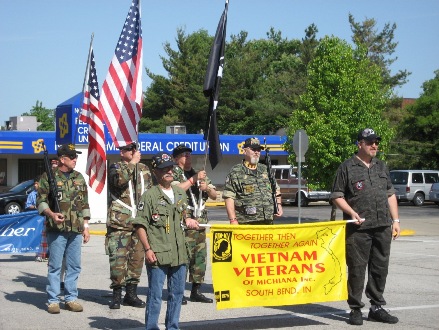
<point>72,198</point>
<point>366,190</point>
<point>73,203</point>
<point>252,194</point>
<point>125,251</point>
<point>196,239</point>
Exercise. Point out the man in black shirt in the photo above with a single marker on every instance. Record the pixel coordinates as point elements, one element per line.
<point>363,191</point>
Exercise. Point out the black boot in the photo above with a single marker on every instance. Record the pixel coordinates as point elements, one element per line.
<point>117,297</point>
<point>197,296</point>
<point>131,298</point>
<point>184,300</point>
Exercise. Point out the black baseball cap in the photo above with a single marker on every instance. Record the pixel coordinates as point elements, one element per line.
<point>253,142</point>
<point>128,147</point>
<point>368,134</point>
<point>180,149</point>
<point>67,149</point>
<point>161,160</point>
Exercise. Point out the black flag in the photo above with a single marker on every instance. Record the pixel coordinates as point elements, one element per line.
<point>211,88</point>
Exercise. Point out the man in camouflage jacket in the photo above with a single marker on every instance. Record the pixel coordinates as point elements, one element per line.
<point>67,227</point>
<point>194,183</point>
<point>125,252</point>
<point>247,192</point>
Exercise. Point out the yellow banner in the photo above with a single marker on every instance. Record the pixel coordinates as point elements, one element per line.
<point>278,265</point>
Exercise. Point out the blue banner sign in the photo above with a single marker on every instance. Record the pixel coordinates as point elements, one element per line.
<point>17,142</point>
<point>21,233</point>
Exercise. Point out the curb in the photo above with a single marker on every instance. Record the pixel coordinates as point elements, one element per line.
<point>98,232</point>
<point>215,204</point>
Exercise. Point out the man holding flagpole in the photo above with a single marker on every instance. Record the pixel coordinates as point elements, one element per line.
<point>198,188</point>
<point>121,106</point>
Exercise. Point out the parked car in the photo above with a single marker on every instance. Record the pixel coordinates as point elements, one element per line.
<point>288,182</point>
<point>14,200</point>
<point>413,185</point>
<point>434,193</point>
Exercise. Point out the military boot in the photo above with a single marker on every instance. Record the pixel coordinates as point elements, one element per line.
<point>131,298</point>
<point>197,296</point>
<point>117,297</point>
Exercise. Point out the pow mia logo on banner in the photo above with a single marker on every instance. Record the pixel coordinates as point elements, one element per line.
<point>222,295</point>
<point>222,246</point>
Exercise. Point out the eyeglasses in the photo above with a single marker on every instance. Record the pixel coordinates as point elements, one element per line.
<point>71,156</point>
<point>369,143</point>
<point>255,149</point>
<point>185,154</point>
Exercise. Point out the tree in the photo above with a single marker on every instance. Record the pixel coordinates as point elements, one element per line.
<point>262,82</point>
<point>179,98</point>
<point>344,94</point>
<point>417,143</point>
<point>380,46</point>
<point>45,116</point>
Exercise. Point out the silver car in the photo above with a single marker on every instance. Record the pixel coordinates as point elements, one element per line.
<point>434,193</point>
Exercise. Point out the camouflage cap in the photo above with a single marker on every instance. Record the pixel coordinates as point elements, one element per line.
<point>180,149</point>
<point>161,160</point>
<point>368,134</point>
<point>67,149</point>
<point>253,142</point>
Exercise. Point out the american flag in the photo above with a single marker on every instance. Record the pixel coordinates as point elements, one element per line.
<point>90,114</point>
<point>121,99</point>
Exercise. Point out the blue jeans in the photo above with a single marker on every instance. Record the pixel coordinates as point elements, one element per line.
<point>156,279</point>
<point>62,245</point>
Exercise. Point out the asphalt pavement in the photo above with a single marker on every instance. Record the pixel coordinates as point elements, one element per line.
<point>412,291</point>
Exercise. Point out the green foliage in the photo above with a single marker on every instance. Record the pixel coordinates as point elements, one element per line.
<point>179,98</point>
<point>344,95</point>
<point>45,116</point>
<point>417,143</point>
<point>380,46</point>
<point>262,82</point>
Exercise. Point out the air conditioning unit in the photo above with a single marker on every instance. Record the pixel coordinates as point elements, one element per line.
<point>177,129</point>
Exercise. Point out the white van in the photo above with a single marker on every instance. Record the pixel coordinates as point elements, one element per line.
<point>413,185</point>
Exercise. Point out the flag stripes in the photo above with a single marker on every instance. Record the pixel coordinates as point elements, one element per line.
<point>121,99</point>
<point>96,167</point>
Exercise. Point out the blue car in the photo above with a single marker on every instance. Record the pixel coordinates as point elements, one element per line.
<point>14,200</point>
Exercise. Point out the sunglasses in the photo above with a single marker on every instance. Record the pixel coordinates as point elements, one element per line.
<point>71,156</point>
<point>369,143</point>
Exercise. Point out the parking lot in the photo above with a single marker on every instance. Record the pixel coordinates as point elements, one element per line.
<point>412,291</point>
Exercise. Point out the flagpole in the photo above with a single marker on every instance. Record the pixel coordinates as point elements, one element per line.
<point>87,68</point>
<point>211,88</point>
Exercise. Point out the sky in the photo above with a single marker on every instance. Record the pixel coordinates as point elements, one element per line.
<point>44,43</point>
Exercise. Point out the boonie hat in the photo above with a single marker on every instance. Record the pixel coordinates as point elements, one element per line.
<point>253,142</point>
<point>129,146</point>
<point>368,134</point>
<point>67,149</point>
<point>180,149</point>
<point>161,160</point>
